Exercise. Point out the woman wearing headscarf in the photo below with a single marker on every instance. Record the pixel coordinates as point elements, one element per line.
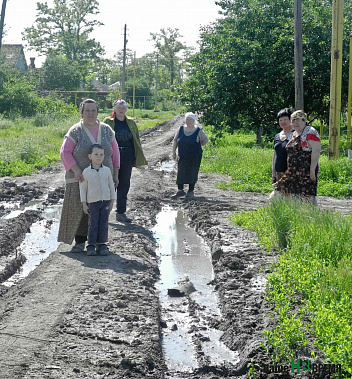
<point>189,140</point>
<point>131,153</point>
<point>303,152</point>
<point>74,155</point>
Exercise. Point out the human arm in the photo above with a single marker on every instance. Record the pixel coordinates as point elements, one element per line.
<point>116,176</point>
<point>83,186</point>
<point>68,160</point>
<point>85,207</point>
<point>115,161</point>
<point>316,149</point>
<point>111,205</point>
<point>273,171</point>
<point>203,138</point>
<point>174,147</point>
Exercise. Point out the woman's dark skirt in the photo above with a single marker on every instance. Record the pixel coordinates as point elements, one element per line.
<point>188,168</point>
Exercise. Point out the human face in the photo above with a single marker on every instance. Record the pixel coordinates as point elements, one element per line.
<point>285,123</point>
<point>90,114</point>
<point>298,125</point>
<point>96,157</point>
<point>189,122</point>
<point>120,112</point>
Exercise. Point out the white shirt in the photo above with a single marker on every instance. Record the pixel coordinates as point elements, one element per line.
<point>97,185</point>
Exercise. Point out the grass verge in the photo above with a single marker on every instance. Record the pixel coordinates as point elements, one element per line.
<point>310,286</point>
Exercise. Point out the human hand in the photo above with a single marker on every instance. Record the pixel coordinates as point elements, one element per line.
<point>85,208</point>
<point>78,175</point>
<point>312,175</point>
<point>116,182</point>
<point>174,156</point>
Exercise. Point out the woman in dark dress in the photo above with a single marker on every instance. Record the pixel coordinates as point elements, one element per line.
<point>131,153</point>
<point>303,152</point>
<point>279,163</point>
<point>189,140</point>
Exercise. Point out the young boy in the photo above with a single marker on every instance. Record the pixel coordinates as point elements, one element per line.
<point>97,193</point>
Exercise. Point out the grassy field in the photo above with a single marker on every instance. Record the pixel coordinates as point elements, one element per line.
<point>310,286</point>
<point>28,144</point>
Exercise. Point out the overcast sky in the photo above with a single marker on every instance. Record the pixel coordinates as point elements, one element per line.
<point>142,17</point>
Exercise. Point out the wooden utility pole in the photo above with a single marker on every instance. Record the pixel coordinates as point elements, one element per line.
<point>2,20</point>
<point>349,98</point>
<point>123,84</point>
<point>134,81</point>
<point>299,94</point>
<point>336,78</point>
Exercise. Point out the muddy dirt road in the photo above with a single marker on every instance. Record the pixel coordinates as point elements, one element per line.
<point>102,317</point>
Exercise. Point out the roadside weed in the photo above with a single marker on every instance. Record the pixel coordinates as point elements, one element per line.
<point>310,284</point>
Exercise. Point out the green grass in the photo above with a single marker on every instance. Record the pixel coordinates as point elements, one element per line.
<point>249,167</point>
<point>29,144</point>
<point>310,286</point>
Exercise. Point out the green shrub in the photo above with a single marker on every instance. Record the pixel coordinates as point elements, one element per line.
<point>310,286</point>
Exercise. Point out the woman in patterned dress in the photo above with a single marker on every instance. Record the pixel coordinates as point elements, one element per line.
<point>303,152</point>
<point>74,155</point>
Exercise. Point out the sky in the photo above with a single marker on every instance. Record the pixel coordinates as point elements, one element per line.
<point>142,17</point>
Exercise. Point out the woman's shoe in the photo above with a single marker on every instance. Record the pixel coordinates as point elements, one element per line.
<point>121,217</point>
<point>190,195</point>
<point>179,193</point>
<point>78,248</point>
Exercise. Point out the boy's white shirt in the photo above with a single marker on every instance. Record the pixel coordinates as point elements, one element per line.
<point>97,185</point>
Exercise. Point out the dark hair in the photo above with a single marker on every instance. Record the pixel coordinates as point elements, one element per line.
<point>97,146</point>
<point>286,112</point>
<point>87,101</point>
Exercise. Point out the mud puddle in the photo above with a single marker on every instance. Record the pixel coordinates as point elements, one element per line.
<point>39,242</point>
<point>190,338</point>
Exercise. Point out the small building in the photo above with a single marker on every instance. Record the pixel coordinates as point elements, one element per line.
<point>14,56</point>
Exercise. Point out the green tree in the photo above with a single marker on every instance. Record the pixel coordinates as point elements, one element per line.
<point>244,71</point>
<point>168,45</point>
<point>65,29</point>
<point>58,73</point>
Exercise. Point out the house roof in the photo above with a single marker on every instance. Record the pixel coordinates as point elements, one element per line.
<point>12,53</point>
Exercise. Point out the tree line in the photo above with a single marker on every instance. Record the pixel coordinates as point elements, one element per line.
<point>241,75</point>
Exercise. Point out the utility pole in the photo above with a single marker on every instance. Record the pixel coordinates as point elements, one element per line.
<point>2,20</point>
<point>134,82</point>
<point>336,78</point>
<point>299,94</point>
<point>349,98</point>
<point>124,65</point>
<point>156,84</point>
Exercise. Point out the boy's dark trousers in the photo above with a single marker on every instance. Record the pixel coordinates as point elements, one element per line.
<point>98,222</point>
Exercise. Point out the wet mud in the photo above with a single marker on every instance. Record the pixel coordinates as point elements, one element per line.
<point>75,316</point>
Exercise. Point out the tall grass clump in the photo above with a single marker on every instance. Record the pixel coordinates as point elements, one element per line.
<point>310,286</point>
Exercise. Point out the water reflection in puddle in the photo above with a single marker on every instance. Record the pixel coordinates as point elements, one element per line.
<point>39,242</point>
<point>184,254</point>
<point>167,166</point>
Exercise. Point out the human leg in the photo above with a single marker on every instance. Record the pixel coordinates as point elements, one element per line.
<point>126,164</point>
<point>103,223</point>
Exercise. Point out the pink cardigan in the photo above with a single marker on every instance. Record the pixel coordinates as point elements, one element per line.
<point>68,146</point>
